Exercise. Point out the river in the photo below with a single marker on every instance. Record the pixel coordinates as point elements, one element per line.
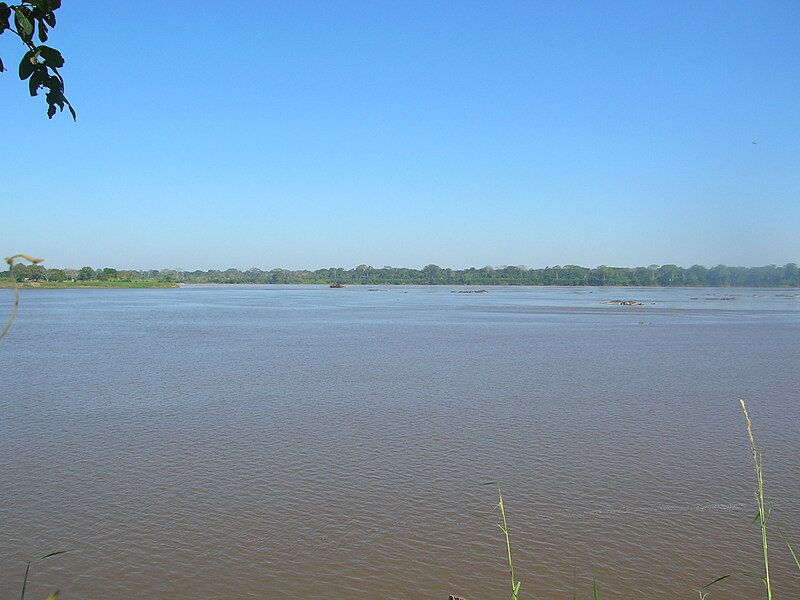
<point>300,441</point>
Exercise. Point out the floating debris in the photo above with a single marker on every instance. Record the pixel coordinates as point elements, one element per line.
<point>469,291</point>
<point>624,302</point>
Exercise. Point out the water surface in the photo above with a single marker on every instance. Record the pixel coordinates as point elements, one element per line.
<point>291,441</point>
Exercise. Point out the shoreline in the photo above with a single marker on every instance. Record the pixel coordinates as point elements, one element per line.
<point>63,285</point>
<point>45,285</point>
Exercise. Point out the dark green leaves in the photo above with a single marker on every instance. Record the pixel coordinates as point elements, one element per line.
<point>5,15</point>
<point>40,64</point>
<point>22,18</point>
<point>37,79</point>
<point>27,16</point>
<point>46,5</point>
<point>30,63</point>
<point>51,57</point>
<point>55,97</point>
<point>27,64</point>
<point>43,15</point>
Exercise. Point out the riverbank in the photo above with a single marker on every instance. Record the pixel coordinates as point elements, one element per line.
<point>770,276</point>
<point>91,284</point>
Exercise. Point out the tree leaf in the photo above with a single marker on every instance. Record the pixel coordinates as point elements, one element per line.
<point>54,83</point>
<point>42,31</point>
<point>54,96</point>
<point>37,79</point>
<point>5,15</point>
<point>27,64</point>
<point>51,56</point>
<point>23,22</point>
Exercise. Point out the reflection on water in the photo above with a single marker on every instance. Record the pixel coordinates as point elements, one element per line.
<point>286,441</point>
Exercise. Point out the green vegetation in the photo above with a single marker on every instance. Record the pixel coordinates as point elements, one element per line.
<point>5,283</point>
<point>569,275</point>
<point>761,519</point>
<point>516,584</point>
<point>762,513</point>
<point>504,528</point>
<point>52,596</point>
<point>29,20</point>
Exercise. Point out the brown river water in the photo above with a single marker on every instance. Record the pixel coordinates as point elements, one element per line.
<point>307,442</point>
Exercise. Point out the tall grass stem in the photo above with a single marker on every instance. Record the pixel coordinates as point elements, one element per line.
<point>504,528</point>
<point>762,512</point>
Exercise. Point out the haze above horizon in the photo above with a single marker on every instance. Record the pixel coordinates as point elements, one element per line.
<point>306,135</point>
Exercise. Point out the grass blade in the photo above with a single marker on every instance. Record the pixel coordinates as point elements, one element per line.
<point>25,581</point>
<point>794,556</point>
<point>504,528</point>
<point>791,550</point>
<point>717,580</point>
<point>575,580</point>
<point>56,553</point>
<point>52,596</point>
<point>762,512</point>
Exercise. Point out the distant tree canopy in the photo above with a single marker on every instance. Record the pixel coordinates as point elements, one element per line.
<point>568,275</point>
<point>31,20</point>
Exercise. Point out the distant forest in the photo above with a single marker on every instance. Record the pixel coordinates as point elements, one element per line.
<point>568,275</point>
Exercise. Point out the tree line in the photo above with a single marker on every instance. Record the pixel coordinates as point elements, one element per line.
<point>569,275</point>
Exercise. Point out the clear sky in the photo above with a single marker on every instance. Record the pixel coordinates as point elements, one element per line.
<point>313,134</point>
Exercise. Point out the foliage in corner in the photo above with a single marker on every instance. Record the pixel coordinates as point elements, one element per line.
<point>31,20</point>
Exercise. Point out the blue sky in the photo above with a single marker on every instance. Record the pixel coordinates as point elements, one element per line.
<point>315,134</point>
